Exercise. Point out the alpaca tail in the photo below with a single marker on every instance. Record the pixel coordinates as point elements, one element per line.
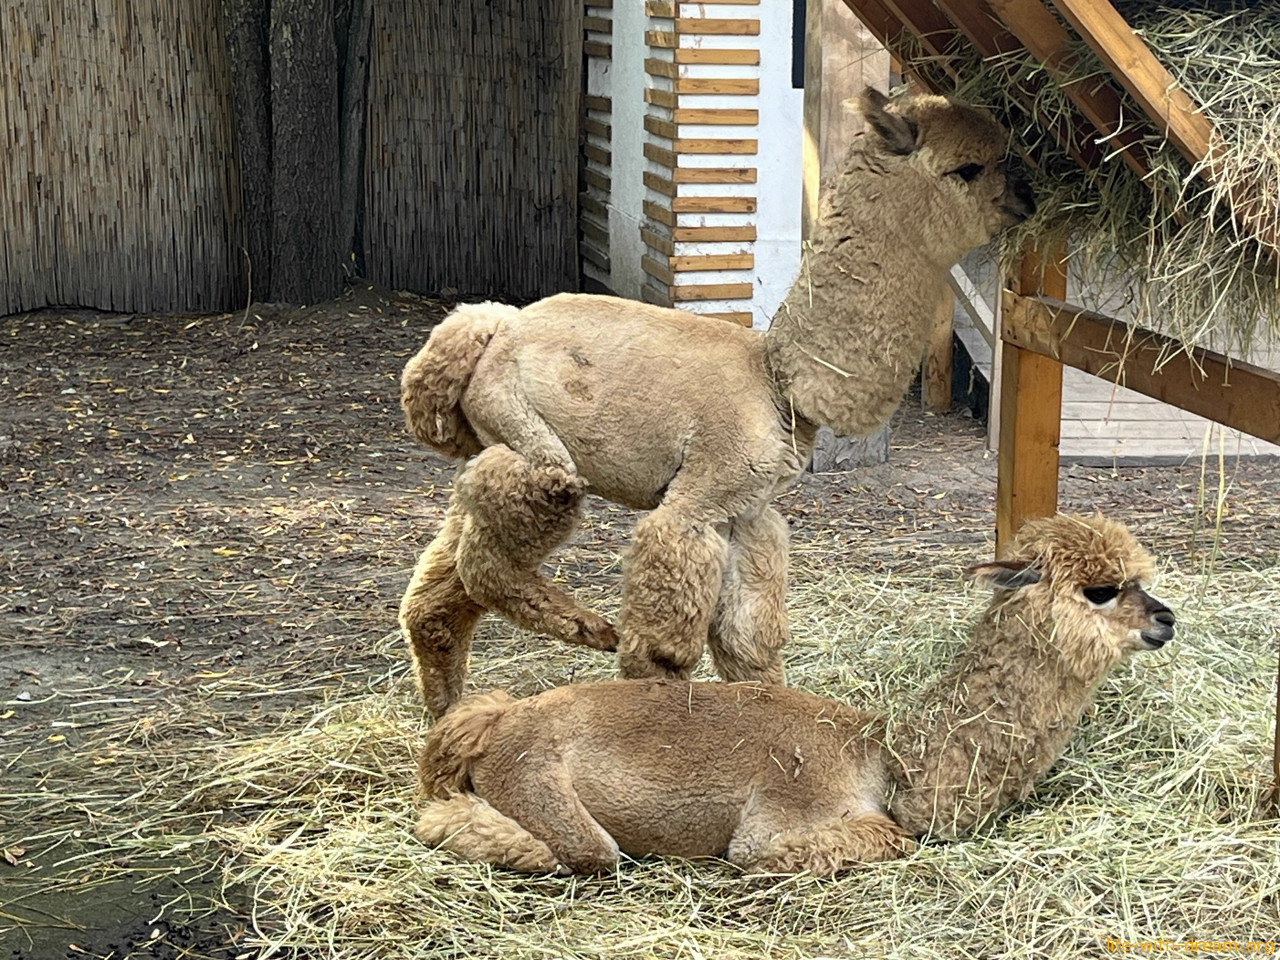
<point>457,740</point>
<point>434,380</point>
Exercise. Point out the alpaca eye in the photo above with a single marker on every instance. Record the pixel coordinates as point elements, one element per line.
<point>968,173</point>
<point>1100,595</point>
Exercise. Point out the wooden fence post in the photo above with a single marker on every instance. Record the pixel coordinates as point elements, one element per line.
<point>935,375</point>
<point>1030,413</point>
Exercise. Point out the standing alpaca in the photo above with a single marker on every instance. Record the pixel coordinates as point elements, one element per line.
<point>779,780</point>
<point>701,421</point>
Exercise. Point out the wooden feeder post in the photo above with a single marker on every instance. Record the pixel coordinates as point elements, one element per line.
<point>1030,412</point>
<point>935,375</point>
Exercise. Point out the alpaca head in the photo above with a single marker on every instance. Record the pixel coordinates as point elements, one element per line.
<point>1077,583</point>
<point>961,152</point>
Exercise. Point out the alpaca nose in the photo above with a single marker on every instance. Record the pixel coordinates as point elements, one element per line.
<point>1020,199</point>
<point>1162,633</point>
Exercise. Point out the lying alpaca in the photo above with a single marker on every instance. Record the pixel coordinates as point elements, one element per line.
<point>701,421</point>
<point>779,780</point>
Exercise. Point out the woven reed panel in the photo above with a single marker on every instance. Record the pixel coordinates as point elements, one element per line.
<point>117,183</point>
<point>472,147</point>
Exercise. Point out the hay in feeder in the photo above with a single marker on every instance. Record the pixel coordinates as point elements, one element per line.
<point>1166,246</point>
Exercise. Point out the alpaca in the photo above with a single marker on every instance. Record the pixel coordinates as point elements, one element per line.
<point>775,779</point>
<point>700,421</point>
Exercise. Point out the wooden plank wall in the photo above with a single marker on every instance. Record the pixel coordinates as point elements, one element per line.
<point>700,147</point>
<point>118,186</point>
<point>597,143</point>
<point>472,147</point>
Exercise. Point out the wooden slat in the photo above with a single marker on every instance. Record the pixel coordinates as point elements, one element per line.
<point>1236,394</point>
<point>658,155</point>
<point>1030,416</point>
<point>592,101</point>
<point>593,254</point>
<point>707,26</point>
<point>595,178</point>
<point>659,184</point>
<point>741,317</point>
<point>659,271</point>
<point>597,153</point>
<point>652,294</point>
<point>714,146</point>
<point>599,4</point>
<point>659,213</point>
<point>659,68</point>
<point>663,39</point>
<point>661,128</point>
<point>661,98</point>
<point>593,206</point>
<point>713,261</point>
<point>717,86</point>
<point>662,9</point>
<point>710,291</point>
<point>715,175</point>
<point>597,24</point>
<point>657,241</point>
<point>712,234</point>
<point>740,118</point>
<point>713,205</point>
<point>597,128</point>
<point>594,231</point>
<point>715,55</point>
<point>602,51</point>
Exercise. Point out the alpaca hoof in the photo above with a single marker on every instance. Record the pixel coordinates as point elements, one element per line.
<point>598,633</point>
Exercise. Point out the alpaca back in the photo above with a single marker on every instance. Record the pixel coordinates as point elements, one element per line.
<point>434,381</point>
<point>457,740</point>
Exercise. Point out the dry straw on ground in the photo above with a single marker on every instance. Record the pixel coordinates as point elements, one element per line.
<point>1150,827</point>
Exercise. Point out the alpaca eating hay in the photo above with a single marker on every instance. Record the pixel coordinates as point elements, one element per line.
<point>780,780</point>
<point>701,421</point>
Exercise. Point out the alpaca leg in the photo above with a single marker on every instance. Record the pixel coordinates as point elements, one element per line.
<point>467,826</point>
<point>669,588</point>
<point>437,619</point>
<point>517,512</point>
<point>749,627</point>
<point>824,847</point>
<point>542,799</point>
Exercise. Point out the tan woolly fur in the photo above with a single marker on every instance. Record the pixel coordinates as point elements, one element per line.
<point>701,421</point>
<point>775,779</point>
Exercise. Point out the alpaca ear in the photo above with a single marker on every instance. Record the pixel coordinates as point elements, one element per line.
<point>898,133</point>
<point>1004,574</point>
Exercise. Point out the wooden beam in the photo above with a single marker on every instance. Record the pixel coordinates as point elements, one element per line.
<point>1170,108</point>
<point>1044,37</point>
<point>1030,415</point>
<point>1235,394</point>
<point>935,375</point>
<point>1138,70</point>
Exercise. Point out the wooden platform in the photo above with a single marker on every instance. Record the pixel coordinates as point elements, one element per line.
<point>1102,423</point>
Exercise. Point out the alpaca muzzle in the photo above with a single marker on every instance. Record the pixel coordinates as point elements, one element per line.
<point>1019,199</point>
<point>1157,636</point>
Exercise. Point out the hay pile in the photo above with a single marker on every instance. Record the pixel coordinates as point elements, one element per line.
<point>1169,246</point>
<point>1150,827</point>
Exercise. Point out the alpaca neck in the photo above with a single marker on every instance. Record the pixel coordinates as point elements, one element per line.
<point>846,342</point>
<point>989,728</point>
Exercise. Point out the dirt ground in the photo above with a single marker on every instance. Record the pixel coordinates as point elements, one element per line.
<point>208,521</point>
